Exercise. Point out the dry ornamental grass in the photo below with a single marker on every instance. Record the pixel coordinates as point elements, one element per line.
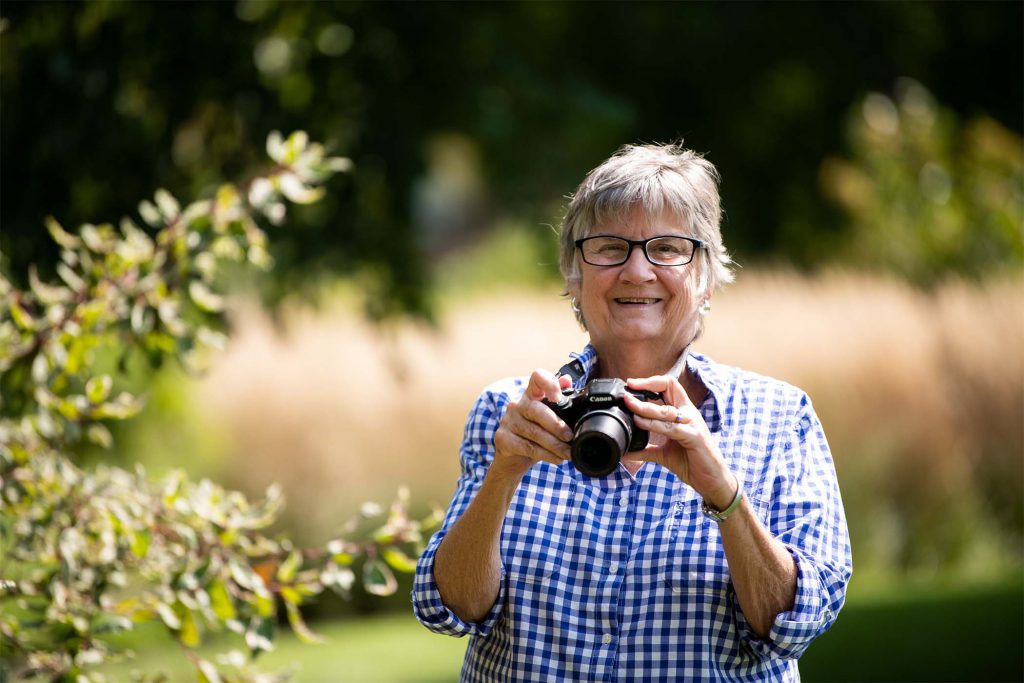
<point>921,395</point>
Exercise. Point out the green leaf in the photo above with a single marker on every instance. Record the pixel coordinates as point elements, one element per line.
<point>168,616</point>
<point>205,298</point>
<point>398,560</point>
<point>220,600</point>
<point>298,192</point>
<point>140,543</point>
<point>260,638</point>
<point>344,558</point>
<point>40,369</point>
<point>264,605</point>
<point>291,595</point>
<point>261,191</point>
<point>47,293</point>
<point>21,317</point>
<point>99,239</point>
<point>150,214</point>
<point>339,164</point>
<point>208,672</point>
<point>299,626</point>
<point>189,633</point>
<point>167,204</point>
<point>70,277</point>
<point>378,579</point>
<point>286,572</point>
<point>275,146</point>
<point>295,145</point>
<point>142,319</point>
<point>61,236</point>
<point>98,388</point>
<point>100,435</point>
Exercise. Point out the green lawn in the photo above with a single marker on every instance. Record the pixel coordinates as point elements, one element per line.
<point>925,634</point>
<point>929,634</point>
<point>389,648</point>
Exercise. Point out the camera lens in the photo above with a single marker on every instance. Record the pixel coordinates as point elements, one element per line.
<point>600,440</point>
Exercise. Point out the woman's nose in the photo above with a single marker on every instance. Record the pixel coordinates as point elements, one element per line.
<point>637,268</point>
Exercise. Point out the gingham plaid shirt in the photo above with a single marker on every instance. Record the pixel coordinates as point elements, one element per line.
<point>621,578</point>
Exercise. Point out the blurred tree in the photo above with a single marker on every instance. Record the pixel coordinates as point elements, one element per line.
<point>92,93</point>
<point>927,196</point>
<point>88,552</point>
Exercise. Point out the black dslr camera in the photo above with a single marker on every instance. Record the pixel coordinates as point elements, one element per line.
<point>602,426</point>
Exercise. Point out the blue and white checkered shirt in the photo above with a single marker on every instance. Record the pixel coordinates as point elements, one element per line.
<point>621,578</point>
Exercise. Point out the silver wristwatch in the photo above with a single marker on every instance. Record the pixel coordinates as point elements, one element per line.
<point>722,515</point>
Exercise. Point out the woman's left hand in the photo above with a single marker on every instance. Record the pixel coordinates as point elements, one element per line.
<point>688,451</point>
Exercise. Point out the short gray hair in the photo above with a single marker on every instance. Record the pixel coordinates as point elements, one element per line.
<point>657,178</point>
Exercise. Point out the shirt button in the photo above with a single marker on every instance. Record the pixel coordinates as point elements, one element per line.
<point>613,568</point>
<point>607,639</point>
<point>624,500</point>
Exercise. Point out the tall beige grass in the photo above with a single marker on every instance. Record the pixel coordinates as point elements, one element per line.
<point>921,395</point>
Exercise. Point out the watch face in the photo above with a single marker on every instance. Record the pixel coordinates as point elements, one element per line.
<point>709,513</point>
<point>722,515</point>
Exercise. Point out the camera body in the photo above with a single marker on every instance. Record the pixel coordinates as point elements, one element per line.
<point>603,427</point>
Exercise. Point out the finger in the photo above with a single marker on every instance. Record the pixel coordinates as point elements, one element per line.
<point>543,416</point>
<point>509,442</point>
<point>669,387</point>
<point>684,432</point>
<point>657,411</point>
<point>543,385</point>
<point>538,434</point>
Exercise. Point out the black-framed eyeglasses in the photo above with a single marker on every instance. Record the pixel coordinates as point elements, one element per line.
<point>667,250</point>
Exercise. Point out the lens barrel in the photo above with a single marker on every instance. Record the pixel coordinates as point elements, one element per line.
<point>600,439</point>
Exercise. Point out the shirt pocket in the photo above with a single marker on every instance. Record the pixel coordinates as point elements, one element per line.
<point>535,530</point>
<point>694,560</point>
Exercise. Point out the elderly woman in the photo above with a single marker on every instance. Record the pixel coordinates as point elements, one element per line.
<point>718,552</point>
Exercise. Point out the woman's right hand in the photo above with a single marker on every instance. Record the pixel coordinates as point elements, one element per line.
<point>530,431</point>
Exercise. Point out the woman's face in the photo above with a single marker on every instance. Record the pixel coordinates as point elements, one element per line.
<point>638,302</point>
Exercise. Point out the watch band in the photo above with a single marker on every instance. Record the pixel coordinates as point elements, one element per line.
<point>722,515</point>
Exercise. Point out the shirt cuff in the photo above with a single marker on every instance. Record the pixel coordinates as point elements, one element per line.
<point>794,630</point>
<point>431,611</point>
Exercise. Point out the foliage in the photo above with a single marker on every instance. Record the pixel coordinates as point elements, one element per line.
<point>86,554</point>
<point>927,197</point>
<point>103,100</point>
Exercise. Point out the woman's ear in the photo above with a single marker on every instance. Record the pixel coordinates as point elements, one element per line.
<point>572,292</point>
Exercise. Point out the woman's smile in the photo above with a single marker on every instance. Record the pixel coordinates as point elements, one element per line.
<point>636,301</point>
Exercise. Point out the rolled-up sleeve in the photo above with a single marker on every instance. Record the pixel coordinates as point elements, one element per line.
<point>475,455</point>
<point>807,517</point>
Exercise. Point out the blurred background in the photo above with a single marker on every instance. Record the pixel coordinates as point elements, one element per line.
<point>873,183</point>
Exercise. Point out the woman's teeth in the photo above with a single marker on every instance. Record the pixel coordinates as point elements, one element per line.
<point>633,300</point>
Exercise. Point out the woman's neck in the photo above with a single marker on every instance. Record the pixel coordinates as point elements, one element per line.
<point>636,363</point>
